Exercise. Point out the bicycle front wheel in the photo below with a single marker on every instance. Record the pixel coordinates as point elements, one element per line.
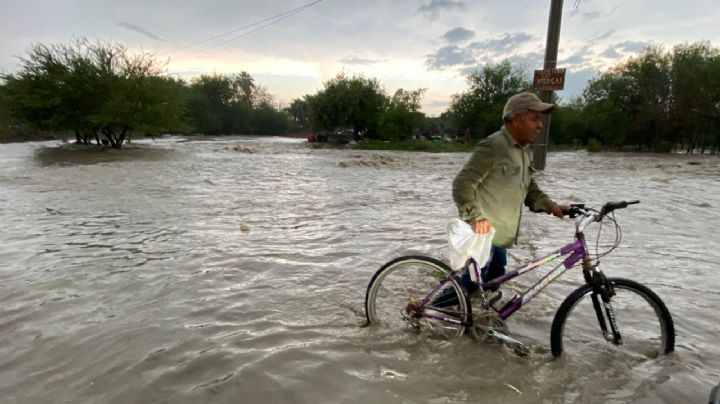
<point>644,325</point>
<point>408,280</point>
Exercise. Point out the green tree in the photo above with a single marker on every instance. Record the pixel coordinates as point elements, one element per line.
<point>609,107</point>
<point>355,102</point>
<point>649,79</point>
<point>479,109</point>
<point>695,95</point>
<point>92,89</point>
<point>402,117</point>
<point>221,104</point>
<point>569,126</point>
<point>269,120</point>
<point>300,109</point>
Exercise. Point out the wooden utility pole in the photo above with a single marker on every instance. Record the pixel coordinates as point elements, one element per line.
<point>551,51</point>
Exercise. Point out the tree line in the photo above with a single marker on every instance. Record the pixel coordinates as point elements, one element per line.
<point>659,100</point>
<point>102,93</point>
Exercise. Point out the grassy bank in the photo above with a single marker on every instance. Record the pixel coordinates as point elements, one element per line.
<point>414,145</point>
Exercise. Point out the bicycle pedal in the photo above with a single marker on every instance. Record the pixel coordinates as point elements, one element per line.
<point>521,351</point>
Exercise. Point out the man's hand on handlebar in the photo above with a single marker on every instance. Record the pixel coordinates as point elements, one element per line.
<point>559,210</point>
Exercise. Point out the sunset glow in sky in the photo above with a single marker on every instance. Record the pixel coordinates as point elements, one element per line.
<point>406,44</point>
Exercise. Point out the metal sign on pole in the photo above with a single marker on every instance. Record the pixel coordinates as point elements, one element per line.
<point>549,80</point>
<point>551,51</point>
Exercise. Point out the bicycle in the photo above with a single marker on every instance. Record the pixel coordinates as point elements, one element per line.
<point>619,311</point>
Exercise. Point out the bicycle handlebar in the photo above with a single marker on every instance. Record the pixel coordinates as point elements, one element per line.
<point>580,209</point>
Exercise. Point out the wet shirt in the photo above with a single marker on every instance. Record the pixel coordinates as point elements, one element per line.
<point>495,183</point>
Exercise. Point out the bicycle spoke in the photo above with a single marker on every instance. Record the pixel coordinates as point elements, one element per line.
<point>642,327</point>
<point>400,287</point>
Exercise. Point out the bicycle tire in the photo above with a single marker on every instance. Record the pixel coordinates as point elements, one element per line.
<point>409,278</point>
<point>650,333</point>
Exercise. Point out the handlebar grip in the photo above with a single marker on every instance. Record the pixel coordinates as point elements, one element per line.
<point>611,206</point>
<point>574,210</point>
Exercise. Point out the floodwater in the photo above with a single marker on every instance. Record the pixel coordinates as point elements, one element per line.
<point>234,269</point>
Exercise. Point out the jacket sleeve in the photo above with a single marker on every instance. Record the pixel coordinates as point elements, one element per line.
<point>536,199</point>
<point>464,187</point>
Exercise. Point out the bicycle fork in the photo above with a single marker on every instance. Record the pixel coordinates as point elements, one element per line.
<point>602,292</point>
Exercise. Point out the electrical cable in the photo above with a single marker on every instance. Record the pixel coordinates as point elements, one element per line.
<point>270,20</point>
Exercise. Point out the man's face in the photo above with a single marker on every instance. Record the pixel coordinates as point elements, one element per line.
<point>526,126</point>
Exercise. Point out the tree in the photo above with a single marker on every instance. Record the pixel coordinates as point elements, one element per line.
<point>355,102</point>
<point>569,126</point>
<point>649,81</point>
<point>479,109</point>
<point>695,95</point>
<point>299,109</point>
<point>609,107</point>
<point>402,117</point>
<point>658,100</point>
<point>221,103</point>
<point>93,89</point>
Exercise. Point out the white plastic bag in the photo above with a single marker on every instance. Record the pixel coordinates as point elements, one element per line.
<point>465,243</point>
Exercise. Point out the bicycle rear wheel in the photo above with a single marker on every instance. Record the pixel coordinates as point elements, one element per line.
<point>643,322</point>
<point>407,280</point>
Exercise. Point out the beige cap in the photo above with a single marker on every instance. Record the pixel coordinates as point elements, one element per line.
<point>523,102</point>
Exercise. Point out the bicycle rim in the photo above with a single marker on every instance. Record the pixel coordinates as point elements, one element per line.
<point>642,319</point>
<point>410,279</point>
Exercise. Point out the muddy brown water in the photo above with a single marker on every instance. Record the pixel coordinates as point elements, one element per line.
<point>234,270</point>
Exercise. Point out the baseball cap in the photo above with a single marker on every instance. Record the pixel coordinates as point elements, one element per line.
<point>523,102</point>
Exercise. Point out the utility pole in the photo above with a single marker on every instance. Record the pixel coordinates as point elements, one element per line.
<point>551,51</point>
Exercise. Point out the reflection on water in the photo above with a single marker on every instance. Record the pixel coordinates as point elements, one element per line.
<point>200,271</point>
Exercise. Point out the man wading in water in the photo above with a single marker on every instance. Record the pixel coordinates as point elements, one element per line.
<point>493,185</point>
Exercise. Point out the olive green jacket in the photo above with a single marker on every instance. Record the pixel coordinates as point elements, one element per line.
<point>495,183</point>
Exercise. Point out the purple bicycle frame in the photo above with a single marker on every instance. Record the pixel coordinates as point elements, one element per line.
<point>575,252</point>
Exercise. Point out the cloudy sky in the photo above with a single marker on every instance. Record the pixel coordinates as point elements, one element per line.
<point>292,46</point>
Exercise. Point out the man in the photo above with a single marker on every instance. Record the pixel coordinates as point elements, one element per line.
<point>493,185</point>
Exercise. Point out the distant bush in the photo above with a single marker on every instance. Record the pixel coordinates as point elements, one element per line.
<point>593,145</point>
<point>662,147</point>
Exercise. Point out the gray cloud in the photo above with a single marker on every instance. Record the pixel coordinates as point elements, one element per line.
<point>632,46</point>
<point>434,8</point>
<point>587,16</point>
<point>602,36</point>
<point>610,53</point>
<point>467,58</point>
<point>578,58</point>
<point>358,60</point>
<point>617,50</point>
<point>591,15</point>
<point>503,44</point>
<point>137,28</point>
<point>458,34</point>
<point>450,55</point>
<point>528,61</point>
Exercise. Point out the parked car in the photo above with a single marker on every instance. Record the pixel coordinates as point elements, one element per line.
<point>340,136</point>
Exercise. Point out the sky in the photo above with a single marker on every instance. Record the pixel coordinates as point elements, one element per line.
<point>291,47</point>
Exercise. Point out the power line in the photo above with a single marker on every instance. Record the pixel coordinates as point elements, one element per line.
<point>269,21</point>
